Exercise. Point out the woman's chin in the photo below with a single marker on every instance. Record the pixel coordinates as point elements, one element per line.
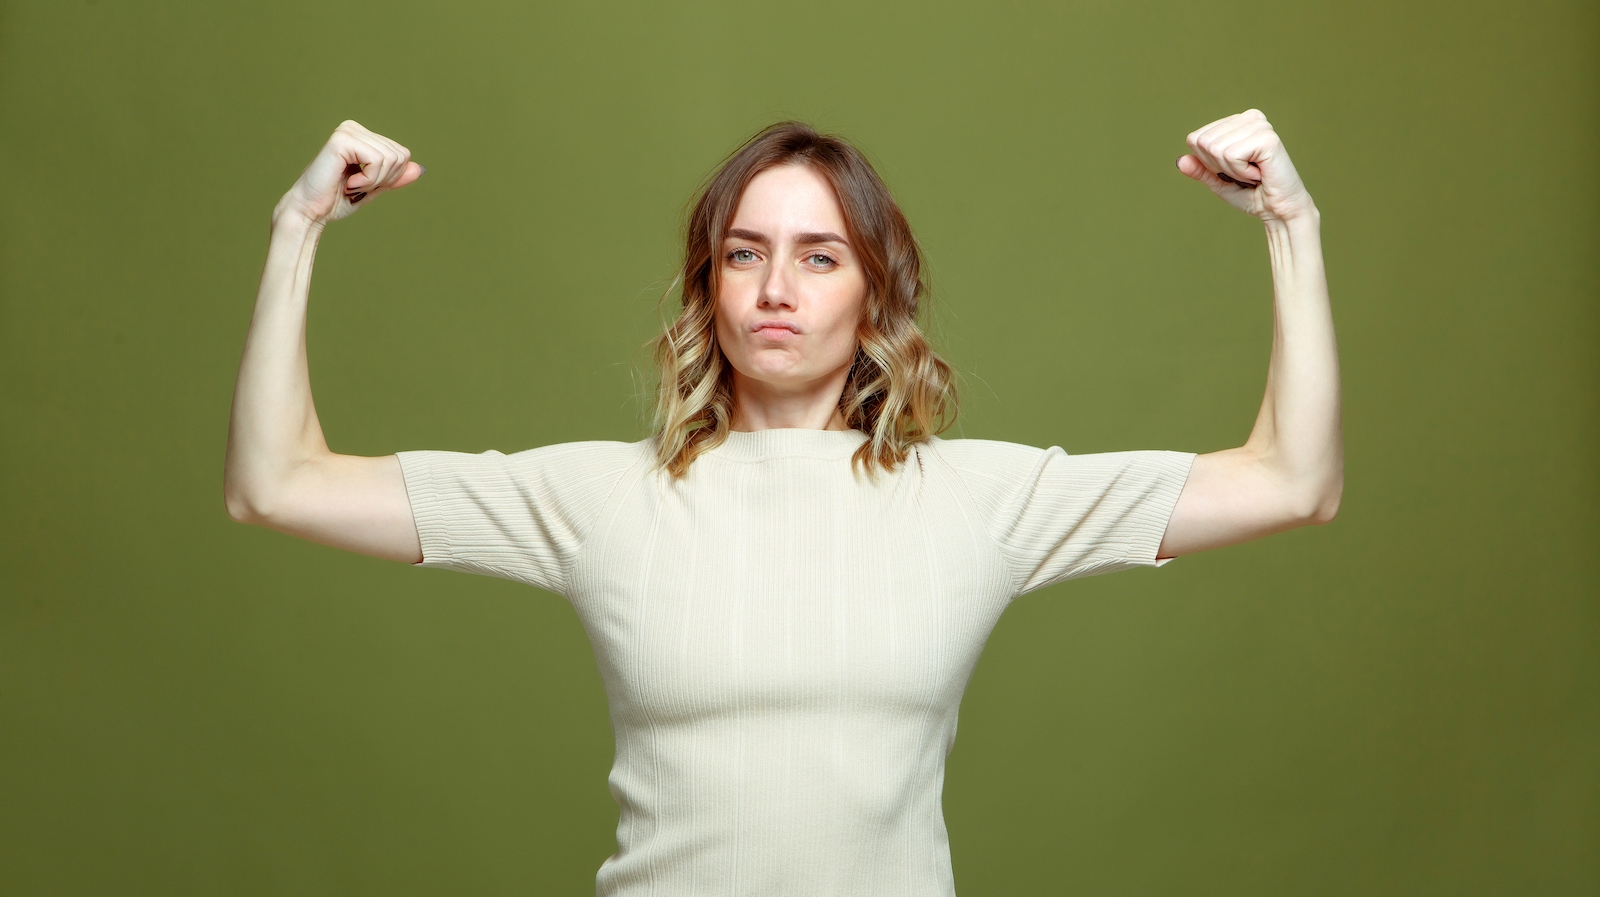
<point>772,365</point>
<point>778,381</point>
<point>785,369</point>
<point>779,377</point>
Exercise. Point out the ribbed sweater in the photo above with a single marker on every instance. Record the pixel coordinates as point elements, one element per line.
<point>784,641</point>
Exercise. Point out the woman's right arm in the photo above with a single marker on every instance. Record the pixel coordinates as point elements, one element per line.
<point>279,472</point>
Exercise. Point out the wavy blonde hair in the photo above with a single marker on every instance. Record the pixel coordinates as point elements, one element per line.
<point>899,391</point>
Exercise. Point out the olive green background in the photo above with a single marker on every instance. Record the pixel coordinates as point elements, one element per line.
<point>1403,702</point>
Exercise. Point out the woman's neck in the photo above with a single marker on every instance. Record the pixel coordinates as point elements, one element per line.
<point>760,406</point>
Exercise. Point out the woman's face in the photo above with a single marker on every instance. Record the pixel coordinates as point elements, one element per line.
<point>792,288</point>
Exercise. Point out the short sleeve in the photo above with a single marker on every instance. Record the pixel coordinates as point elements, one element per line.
<point>1057,516</point>
<point>522,516</point>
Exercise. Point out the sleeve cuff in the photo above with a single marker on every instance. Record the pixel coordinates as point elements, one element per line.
<point>1172,471</point>
<point>426,509</point>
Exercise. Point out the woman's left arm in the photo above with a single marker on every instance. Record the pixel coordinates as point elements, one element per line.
<point>1290,472</point>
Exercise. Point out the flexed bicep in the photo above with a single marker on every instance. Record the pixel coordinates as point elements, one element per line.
<point>350,502</point>
<point>1233,496</point>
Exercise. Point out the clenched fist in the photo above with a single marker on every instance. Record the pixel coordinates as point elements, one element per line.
<point>1242,160</point>
<point>354,166</point>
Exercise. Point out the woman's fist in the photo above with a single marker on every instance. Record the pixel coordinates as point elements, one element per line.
<point>1242,160</point>
<point>354,166</point>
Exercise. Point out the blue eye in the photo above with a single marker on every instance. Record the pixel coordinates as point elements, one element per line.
<point>742,255</point>
<point>820,260</point>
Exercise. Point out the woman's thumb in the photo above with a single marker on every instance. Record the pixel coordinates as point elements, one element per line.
<point>1195,169</point>
<point>412,172</point>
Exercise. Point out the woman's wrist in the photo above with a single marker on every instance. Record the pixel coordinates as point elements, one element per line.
<point>288,216</point>
<point>292,241</point>
<point>1306,219</point>
<point>1296,213</point>
<point>1295,245</point>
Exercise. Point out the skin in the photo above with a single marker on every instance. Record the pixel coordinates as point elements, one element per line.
<point>788,265</point>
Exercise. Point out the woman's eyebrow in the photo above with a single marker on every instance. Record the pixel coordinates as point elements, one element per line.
<point>805,239</point>
<point>820,237</point>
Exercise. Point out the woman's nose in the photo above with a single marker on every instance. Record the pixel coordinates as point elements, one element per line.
<point>777,290</point>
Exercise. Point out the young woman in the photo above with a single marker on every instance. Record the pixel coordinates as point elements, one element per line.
<point>788,585</point>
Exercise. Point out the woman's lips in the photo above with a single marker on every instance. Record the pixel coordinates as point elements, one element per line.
<point>775,330</point>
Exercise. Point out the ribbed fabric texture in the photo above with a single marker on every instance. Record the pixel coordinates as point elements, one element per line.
<point>784,641</point>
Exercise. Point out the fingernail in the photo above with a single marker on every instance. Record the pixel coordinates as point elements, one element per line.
<point>357,198</point>
<point>423,167</point>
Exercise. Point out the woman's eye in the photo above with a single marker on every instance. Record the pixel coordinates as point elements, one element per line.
<point>742,256</point>
<point>820,260</point>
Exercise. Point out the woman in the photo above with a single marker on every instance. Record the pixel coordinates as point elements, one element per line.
<point>788,585</point>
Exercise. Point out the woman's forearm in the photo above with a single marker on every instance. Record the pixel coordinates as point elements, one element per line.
<point>1297,436</point>
<point>274,428</point>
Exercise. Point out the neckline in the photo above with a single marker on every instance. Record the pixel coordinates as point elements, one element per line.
<point>759,444</point>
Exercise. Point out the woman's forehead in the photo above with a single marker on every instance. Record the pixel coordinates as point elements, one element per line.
<point>787,200</point>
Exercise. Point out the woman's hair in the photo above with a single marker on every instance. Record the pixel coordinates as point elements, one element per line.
<point>899,391</point>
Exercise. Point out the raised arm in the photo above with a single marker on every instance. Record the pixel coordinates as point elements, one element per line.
<point>279,472</point>
<point>1290,472</point>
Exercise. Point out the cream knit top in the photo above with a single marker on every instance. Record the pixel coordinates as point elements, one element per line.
<point>784,641</point>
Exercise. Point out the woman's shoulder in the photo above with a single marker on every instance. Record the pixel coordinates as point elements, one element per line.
<point>988,470</point>
<point>557,461</point>
<point>982,456</point>
<point>597,451</point>
<point>587,458</point>
<point>993,459</point>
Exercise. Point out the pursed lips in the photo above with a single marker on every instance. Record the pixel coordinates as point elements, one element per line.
<point>775,329</point>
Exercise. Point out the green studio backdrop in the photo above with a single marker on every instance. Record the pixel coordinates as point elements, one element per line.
<point>1403,702</point>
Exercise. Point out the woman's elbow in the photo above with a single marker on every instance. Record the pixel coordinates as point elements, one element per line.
<point>1321,505</point>
<point>264,495</point>
<point>240,509</point>
<point>245,505</point>
<point>1326,511</point>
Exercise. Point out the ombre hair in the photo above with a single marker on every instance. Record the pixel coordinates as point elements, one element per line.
<point>899,391</point>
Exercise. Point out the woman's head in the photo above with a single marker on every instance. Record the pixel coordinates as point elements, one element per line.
<point>790,294</point>
<point>798,266</point>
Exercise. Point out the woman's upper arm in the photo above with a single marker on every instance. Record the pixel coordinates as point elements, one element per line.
<point>1232,496</point>
<point>350,502</point>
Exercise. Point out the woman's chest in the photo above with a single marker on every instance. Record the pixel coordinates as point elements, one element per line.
<point>801,598</point>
